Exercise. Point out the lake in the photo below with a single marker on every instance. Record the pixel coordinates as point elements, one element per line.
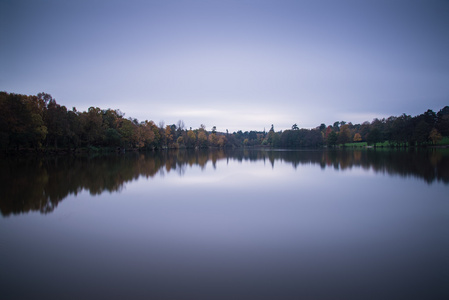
<point>241,224</point>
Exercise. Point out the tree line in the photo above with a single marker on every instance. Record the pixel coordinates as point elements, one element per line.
<point>39,122</point>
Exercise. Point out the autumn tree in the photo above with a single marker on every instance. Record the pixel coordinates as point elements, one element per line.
<point>435,136</point>
<point>191,139</point>
<point>155,143</point>
<point>21,121</point>
<point>202,139</point>
<point>222,141</point>
<point>344,136</point>
<point>213,140</point>
<point>180,142</point>
<point>326,133</point>
<point>168,136</point>
<point>143,135</point>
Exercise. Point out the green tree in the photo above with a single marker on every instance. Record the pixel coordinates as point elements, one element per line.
<point>271,135</point>
<point>374,136</point>
<point>55,117</point>
<point>127,131</point>
<point>322,127</point>
<point>442,124</point>
<point>421,133</point>
<point>112,137</point>
<point>332,139</point>
<point>92,126</point>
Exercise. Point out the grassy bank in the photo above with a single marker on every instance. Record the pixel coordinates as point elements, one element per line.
<point>443,142</point>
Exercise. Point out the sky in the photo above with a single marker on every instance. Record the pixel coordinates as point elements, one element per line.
<point>236,65</point>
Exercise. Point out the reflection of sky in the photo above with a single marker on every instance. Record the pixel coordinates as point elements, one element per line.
<point>233,64</point>
<point>245,228</point>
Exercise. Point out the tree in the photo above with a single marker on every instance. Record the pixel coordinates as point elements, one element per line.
<point>357,137</point>
<point>222,140</point>
<point>202,139</point>
<point>364,130</point>
<point>92,129</point>
<point>213,139</point>
<point>443,121</point>
<point>191,139</point>
<point>421,132</point>
<point>327,132</point>
<point>112,137</point>
<point>126,130</point>
<point>75,130</point>
<point>332,139</point>
<point>181,125</point>
<point>374,136</point>
<point>271,134</point>
<point>295,127</point>
<point>55,117</point>
<point>252,136</point>
<point>143,135</point>
<point>435,136</point>
<point>322,127</point>
<point>401,129</point>
<point>345,135</point>
<point>21,121</point>
<point>336,126</point>
<point>180,142</point>
<point>168,136</point>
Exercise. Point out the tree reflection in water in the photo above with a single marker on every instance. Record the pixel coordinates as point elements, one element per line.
<point>39,184</point>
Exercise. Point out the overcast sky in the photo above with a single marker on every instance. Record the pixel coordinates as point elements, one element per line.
<point>233,64</point>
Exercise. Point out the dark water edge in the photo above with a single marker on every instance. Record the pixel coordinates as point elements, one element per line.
<point>39,183</point>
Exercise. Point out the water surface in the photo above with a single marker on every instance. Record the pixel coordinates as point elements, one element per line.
<point>226,225</point>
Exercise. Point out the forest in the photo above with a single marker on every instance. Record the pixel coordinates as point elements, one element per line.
<point>39,123</point>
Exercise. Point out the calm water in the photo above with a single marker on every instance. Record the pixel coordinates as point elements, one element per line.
<point>226,225</point>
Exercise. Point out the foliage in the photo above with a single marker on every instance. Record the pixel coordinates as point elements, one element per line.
<point>332,139</point>
<point>435,136</point>
<point>40,123</point>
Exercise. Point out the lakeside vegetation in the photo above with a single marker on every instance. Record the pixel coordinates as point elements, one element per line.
<point>39,123</point>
